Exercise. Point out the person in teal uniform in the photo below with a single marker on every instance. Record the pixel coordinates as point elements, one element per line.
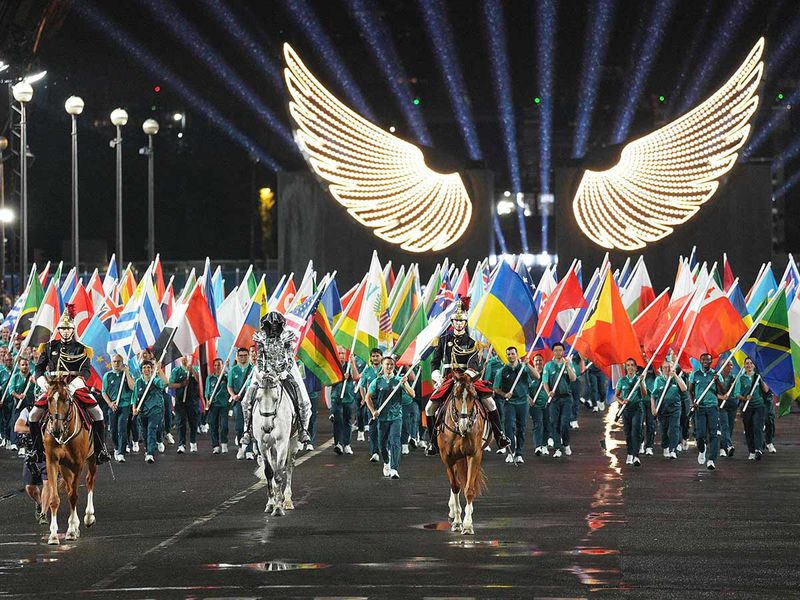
<point>367,376</point>
<point>6,406</point>
<point>750,392</point>
<point>537,399</point>
<point>217,403</point>
<point>238,380</point>
<point>490,370</point>
<point>390,419</point>
<point>117,391</point>
<point>517,401</point>
<point>650,426</point>
<point>728,405</point>
<point>631,393</point>
<point>149,406</point>
<point>769,422</point>
<point>669,413</point>
<point>703,389</point>
<point>21,390</point>
<point>343,403</point>
<point>409,404</point>
<point>185,380</point>
<point>314,389</point>
<point>576,387</point>
<point>557,375</point>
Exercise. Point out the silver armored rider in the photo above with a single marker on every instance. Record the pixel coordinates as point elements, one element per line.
<point>276,357</point>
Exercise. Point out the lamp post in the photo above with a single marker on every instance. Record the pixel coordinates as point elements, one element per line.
<point>23,92</point>
<point>119,117</point>
<point>150,128</point>
<point>74,107</point>
<point>3,213</point>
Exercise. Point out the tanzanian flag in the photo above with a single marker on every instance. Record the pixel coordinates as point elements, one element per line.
<point>32,303</point>
<point>769,346</point>
<point>318,352</point>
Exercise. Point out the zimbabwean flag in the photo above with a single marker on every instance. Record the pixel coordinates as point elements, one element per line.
<point>33,301</point>
<point>318,352</point>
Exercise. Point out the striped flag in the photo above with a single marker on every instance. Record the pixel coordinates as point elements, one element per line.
<point>317,349</point>
<point>13,314</point>
<point>190,325</point>
<point>44,324</point>
<point>33,299</point>
<point>149,320</point>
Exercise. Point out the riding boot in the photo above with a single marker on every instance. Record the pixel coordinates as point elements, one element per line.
<point>300,410</point>
<point>433,444</point>
<point>36,454</point>
<point>99,435</point>
<point>497,432</point>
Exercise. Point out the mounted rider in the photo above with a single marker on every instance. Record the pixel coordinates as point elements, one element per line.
<point>275,356</point>
<point>456,355</point>
<point>66,354</point>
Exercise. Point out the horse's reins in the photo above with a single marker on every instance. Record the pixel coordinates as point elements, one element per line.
<point>273,413</point>
<point>457,415</point>
<point>65,419</point>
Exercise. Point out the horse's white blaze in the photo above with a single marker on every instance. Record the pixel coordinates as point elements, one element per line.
<point>88,516</point>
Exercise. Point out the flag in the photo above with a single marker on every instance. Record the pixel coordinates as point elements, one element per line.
<point>547,283</point>
<point>168,300</point>
<point>111,277</point>
<point>83,308</point>
<point>406,302</point>
<point>432,289</point>
<point>191,324</point>
<point>250,322</point>
<point>124,328</point>
<point>229,322</point>
<point>70,282</point>
<point>727,274</point>
<point>97,334</point>
<point>333,304</point>
<point>566,295</point>
<point>317,350</point>
<point>507,315</point>
<point>96,291</point>
<point>461,287</point>
<point>608,337</point>
<point>13,314</point>
<point>297,318</point>
<point>33,300</point>
<point>218,286</point>
<point>761,291</point>
<point>372,318</point>
<point>44,324</point>
<point>786,399</point>
<point>149,320</point>
<point>158,278</point>
<point>639,291</point>
<point>347,333</point>
<point>44,274</point>
<point>283,301</point>
<point>127,286</point>
<point>769,346</point>
<point>716,329</point>
<point>647,320</point>
<point>419,339</point>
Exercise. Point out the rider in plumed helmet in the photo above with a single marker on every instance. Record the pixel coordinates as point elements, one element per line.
<point>66,354</point>
<point>275,356</point>
<point>456,355</point>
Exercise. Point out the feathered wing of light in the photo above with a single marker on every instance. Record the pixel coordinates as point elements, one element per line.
<point>381,180</point>
<point>663,178</point>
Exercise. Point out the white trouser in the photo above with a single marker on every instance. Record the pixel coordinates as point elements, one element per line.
<point>95,413</point>
<point>433,405</point>
<point>303,401</point>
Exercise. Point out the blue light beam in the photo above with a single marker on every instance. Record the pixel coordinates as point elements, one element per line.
<point>546,49</point>
<point>379,40</point>
<point>497,39</point>
<point>656,29</point>
<point>306,19</point>
<point>440,34</point>
<point>169,16</point>
<point>699,35</point>
<point>776,118</point>
<point>788,184</point>
<point>601,17</point>
<point>98,21</point>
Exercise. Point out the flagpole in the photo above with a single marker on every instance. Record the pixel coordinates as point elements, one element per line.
<point>730,389</point>
<point>403,380</point>
<point>25,391</point>
<point>123,378</point>
<point>752,389</point>
<point>14,330</point>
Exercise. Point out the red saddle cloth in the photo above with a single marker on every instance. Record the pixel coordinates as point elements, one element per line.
<point>481,386</point>
<point>82,396</point>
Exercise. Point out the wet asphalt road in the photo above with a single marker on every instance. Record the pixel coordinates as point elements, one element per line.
<point>192,526</point>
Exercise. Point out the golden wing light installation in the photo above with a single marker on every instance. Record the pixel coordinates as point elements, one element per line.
<point>382,180</point>
<point>663,178</point>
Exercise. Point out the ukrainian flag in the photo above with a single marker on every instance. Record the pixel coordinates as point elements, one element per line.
<point>769,346</point>
<point>506,315</point>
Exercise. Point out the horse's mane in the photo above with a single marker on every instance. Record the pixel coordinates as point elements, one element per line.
<point>460,386</point>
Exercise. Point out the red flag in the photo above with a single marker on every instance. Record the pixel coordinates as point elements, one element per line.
<point>84,309</point>
<point>567,294</point>
<point>158,279</point>
<point>649,318</point>
<point>717,328</point>
<point>667,326</point>
<point>286,297</point>
<point>727,274</point>
<point>95,289</point>
<point>199,317</point>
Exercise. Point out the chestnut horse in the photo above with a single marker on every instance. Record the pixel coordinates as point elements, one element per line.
<point>461,443</point>
<point>68,448</point>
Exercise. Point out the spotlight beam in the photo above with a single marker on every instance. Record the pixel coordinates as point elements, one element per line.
<point>498,232</point>
<point>776,118</point>
<point>700,34</point>
<point>305,18</point>
<point>786,44</point>
<point>601,17</point>
<point>377,36</point>
<point>789,153</point>
<point>101,23</point>
<point>656,29</point>
<point>169,16</point>
<point>787,185</point>
<point>497,40</point>
<point>545,36</point>
<point>440,35</point>
<point>253,48</point>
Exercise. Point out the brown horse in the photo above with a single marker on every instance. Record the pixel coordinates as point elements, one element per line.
<point>461,450</point>
<point>68,448</point>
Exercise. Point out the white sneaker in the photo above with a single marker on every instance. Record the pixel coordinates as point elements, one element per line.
<point>366,427</point>
<point>224,448</point>
<point>501,451</point>
<point>422,444</point>
<point>192,448</point>
<point>386,469</point>
<point>545,451</point>
<point>550,442</point>
<point>394,474</point>
<point>641,448</point>
<point>673,454</point>
<point>557,454</point>
<point>215,450</point>
<point>360,436</point>
<point>637,462</point>
<point>538,451</point>
<point>771,448</point>
<point>309,446</point>
<point>170,439</point>
<point>648,451</point>
<point>701,458</point>
<point>510,458</point>
<point>338,449</point>
<point>135,446</point>
<point>596,408</point>
<point>117,456</point>
<point>240,453</point>
<point>567,450</point>
<point>250,456</point>
<point>723,452</point>
<point>518,460</point>
<point>574,425</point>
<point>348,449</point>
<point>374,458</point>
<point>13,448</point>
<point>710,465</point>
<point>751,456</point>
<point>181,449</point>
<point>666,453</point>
<point>404,449</point>
<point>128,449</point>
<point>161,447</point>
<point>685,444</point>
<point>602,406</point>
<point>148,458</point>
<point>629,459</point>
<point>21,452</point>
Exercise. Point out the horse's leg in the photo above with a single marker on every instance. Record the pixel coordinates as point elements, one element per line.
<point>91,475</point>
<point>269,475</point>
<point>454,503</point>
<point>52,481</point>
<point>71,478</point>
<point>470,490</point>
<point>287,492</point>
<point>277,459</point>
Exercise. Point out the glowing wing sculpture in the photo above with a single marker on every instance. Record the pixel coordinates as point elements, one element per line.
<point>663,178</point>
<point>382,180</point>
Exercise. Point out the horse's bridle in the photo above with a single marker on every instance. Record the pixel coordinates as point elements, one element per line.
<point>456,415</point>
<point>65,419</point>
<point>271,382</point>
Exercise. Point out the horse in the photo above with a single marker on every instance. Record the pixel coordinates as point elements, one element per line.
<point>275,434</point>
<point>68,448</point>
<point>461,441</point>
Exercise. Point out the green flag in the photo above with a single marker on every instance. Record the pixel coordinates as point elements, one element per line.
<point>32,303</point>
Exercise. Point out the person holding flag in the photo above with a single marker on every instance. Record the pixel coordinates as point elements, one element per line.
<point>150,407</point>
<point>751,391</point>
<point>538,406</point>
<point>669,414</point>
<point>706,381</point>
<point>368,374</point>
<point>117,391</point>
<point>342,403</point>
<point>217,403</point>
<point>631,393</point>
<point>557,375</point>
<point>727,410</point>
<point>238,379</point>
<point>21,395</point>
<point>185,379</point>
<point>66,354</point>
<point>516,397</point>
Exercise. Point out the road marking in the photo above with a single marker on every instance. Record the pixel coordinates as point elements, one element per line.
<point>215,512</point>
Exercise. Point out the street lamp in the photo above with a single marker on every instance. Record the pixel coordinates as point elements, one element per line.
<point>5,214</point>
<point>74,107</point>
<point>119,117</point>
<point>23,92</point>
<point>150,128</point>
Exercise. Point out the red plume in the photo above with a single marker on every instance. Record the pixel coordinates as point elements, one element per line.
<point>70,310</point>
<point>465,303</point>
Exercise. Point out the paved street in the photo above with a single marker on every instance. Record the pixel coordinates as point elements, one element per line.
<point>583,526</point>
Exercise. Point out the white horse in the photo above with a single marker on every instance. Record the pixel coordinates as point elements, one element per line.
<point>276,438</point>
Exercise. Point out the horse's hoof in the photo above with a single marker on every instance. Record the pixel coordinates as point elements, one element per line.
<point>468,530</point>
<point>88,520</point>
<point>278,512</point>
<point>455,527</point>
<point>71,536</point>
<point>269,507</point>
<point>53,539</point>
<point>288,505</point>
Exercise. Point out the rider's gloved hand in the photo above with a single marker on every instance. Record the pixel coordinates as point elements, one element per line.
<point>42,383</point>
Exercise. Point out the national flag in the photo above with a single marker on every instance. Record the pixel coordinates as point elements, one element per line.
<point>317,350</point>
<point>168,300</point>
<point>761,291</point>
<point>461,287</point>
<point>247,287</point>
<point>83,308</point>
<point>127,286</point>
<point>791,275</point>
<point>260,297</point>
<point>547,283</point>
<point>786,399</point>
<point>432,289</point>
<point>47,316</point>
<point>250,322</point>
<point>372,319</point>
<point>191,324</point>
<point>348,296</point>
<point>158,278</point>
<point>97,333</point>
<point>737,300</point>
<point>569,329</point>
<point>283,301</point>
<point>639,291</point>
<point>96,291</point>
<point>608,337</point>
<point>124,328</point>
<point>406,302</point>
<point>188,287</point>
<point>149,320</point>
<point>621,277</point>
<point>11,318</point>
<point>684,282</point>
<point>218,286</point>
<point>727,273</point>
<point>566,295</point>
<point>44,275</point>
<point>507,315</point>
<point>111,277</point>
<point>229,322</point>
<point>647,320</point>
<point>716,329</point>
<point>419,339</point>
<point>273,299</point>
<point>444,296</point>
<point>347,332</point>
<point>70,282</point>
<point>297,318</point>
<point>398,281</point>
<point>769,346</point>
<point>388,276</point>
<point>333,304</point>
<point>33,299</point>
